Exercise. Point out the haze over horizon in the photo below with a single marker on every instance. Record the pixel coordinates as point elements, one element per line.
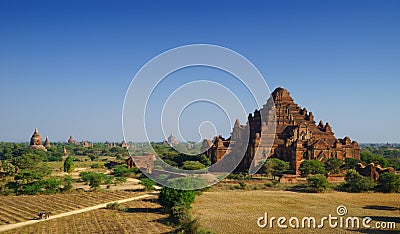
<point>65,66</point>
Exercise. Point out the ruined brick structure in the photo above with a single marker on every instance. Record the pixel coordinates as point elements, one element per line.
<point>145,161</point>
<point>297,137</point>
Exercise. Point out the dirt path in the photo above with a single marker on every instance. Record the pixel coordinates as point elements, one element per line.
<point>7,227</point>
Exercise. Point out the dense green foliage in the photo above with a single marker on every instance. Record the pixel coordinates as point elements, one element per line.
<point>275,167</point>
<point>368,157</point>
<point>332,165</point>
<point>170,197</point>
<point>177,159</point>
<point>148,184</point>
<point>69,166</point>
<point>94,179</point>
<point>312,167</point>
<point>192,165</point>
<point>388,183</point>
<point>317,182</point>
<point>123,171</point>
<point>356,183</point>
<point>350,163</point>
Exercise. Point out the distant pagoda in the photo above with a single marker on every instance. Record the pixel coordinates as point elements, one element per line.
<point>36,141</point>
<point>47,142</point>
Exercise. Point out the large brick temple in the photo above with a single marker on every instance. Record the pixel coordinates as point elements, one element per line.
<point>297,137</point>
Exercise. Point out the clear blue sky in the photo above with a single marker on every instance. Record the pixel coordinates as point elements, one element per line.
<point>65,65</point>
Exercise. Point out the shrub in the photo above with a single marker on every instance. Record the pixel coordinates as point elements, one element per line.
<point>52,185</point>
<point>119,180</point>
<point>32,189</point>
<point>170,197</point>
<point>317,182</point>
<point>147,183</point>
<point>242,185</point>
<point>192,165</point>
<point>356,183</point>
<point>97,165</point>
<point>123,171</point>
<point>68,181</point>
<point>113,206</point>
<point>388,183</point>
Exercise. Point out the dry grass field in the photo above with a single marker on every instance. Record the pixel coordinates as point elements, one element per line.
<point>15,209</point>
<point>141,216</point>
<point>237,211</point>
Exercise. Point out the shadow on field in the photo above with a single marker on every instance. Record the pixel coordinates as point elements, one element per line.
<point>143,210</point>
<point>381,208</point>
<point>151,200</point>
<point>382,219</point>
<point>373,231</point>
<point>386,219</point>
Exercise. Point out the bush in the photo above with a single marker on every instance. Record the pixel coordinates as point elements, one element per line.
<point>170,197</point>
<point>32,189</point>
<point>148,184</point>
<point>68,181</point>
<point>119,180</point>
<point>356,183</point>
<point>123,171</point>
<point>113,206</point>
<point>52,185</point>
<point>317,182</point>
<point>192,165</point>
<point>388,183</point>
<point>97,165</point>
<point>242,185</point>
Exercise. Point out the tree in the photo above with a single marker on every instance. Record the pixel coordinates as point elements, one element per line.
<point>123,171</point>
<point>318,182</point>
<point>171,197</point>
<point>69,166</point>
<point>28,176</point>
<point>311,167</point>
<point>26,161</point>
<point>192,165</point>
<point>388,183</point>
<point>95,179</point>
<point>368,157</point>
<point>275,167</point>
<point>350,163</point>
<point>332,165</point>
<point>357,183</point>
